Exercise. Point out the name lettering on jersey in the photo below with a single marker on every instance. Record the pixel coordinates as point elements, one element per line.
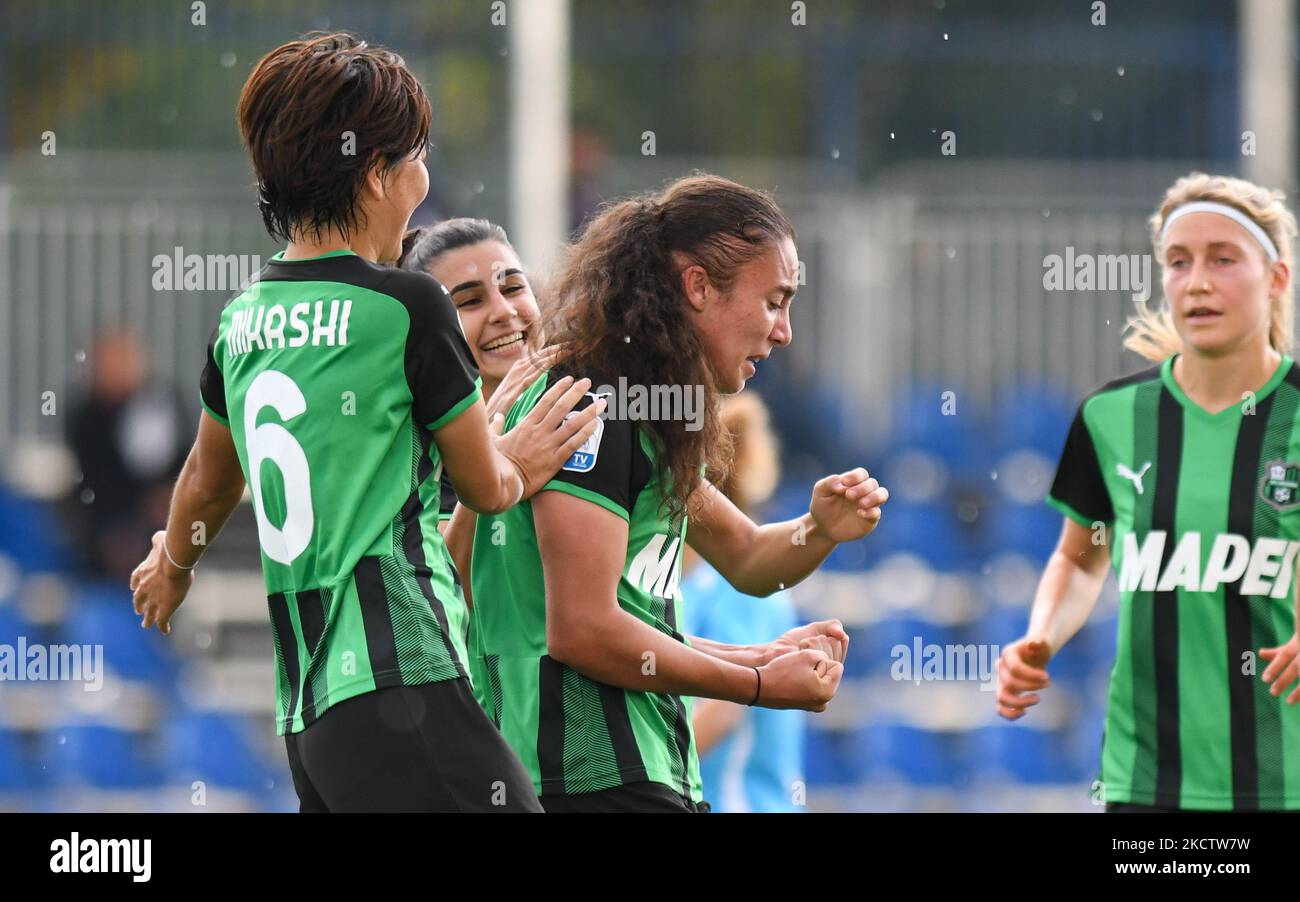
<point>1267,568</point>
<point>657,571</point>
<point>1280,485</point>
<point>269,326</point>
<point>1135,478</point>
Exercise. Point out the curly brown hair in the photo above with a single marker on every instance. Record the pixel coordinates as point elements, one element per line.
<point>618,307</point>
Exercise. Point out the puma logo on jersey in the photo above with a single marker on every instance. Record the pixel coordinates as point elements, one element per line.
<point>1267,568</point>
<point>657,571</point>
<point>1135,478</point>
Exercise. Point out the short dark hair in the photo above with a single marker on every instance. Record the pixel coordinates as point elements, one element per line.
<point>293,112</point>
<point>420,247</point>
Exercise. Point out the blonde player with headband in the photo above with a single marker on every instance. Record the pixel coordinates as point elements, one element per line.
<point>1187,477</point>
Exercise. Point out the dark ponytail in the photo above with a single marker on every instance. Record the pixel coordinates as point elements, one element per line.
<point>618,305</point>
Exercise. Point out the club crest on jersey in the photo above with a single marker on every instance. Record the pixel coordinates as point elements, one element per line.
<point>1280,486</point>
<point>584,459</point>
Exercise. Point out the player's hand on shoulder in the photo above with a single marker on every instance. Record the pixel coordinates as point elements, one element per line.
<point>543,440</point>
<point>847,506</point>
<point>1022,669</point>
<point>522,373</point>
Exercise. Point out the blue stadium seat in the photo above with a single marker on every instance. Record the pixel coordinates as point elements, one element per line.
<point>790,500</point>
<point>280,799</point>
<point>1082,741</point>
<point>1099,635</point>
<point>1033,416</point>
<point>929,531</point>
<point>920,422</point>
<point>862,661</point>
<point>1072,664</point>
<point>1020,752</point>
<point>31,534</point>
<point>1002,626</point>
<point>810,414</point>
<point>102,615</point>
<point>921,757</point>
<point>215,748</point>
<point>833,758</point>
<point>13,625</point>
<point>850,557</point>
<point>924,524</point>
<point>96,755</point>
<point>874,650</point>
<point>1029,529</point>
<point>102,592</point>
<point>999,626</point>
<point>16,773</point>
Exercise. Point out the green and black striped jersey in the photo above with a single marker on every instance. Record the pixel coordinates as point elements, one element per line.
<point>332,374</point>
<point>574,734</point>
<point>1205,510</point>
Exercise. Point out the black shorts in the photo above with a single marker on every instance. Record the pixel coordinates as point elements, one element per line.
<point>1134,808</point>
<point>408,748</point>
<point>632,797</point>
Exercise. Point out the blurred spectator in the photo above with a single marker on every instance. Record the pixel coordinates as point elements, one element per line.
<point>129,440</point>
<point>750,758</point>
<point>588,158</point>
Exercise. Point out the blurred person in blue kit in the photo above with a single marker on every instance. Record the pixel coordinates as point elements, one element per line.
<point>751,759</point>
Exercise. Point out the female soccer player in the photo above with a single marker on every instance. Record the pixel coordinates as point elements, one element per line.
<point>338,388</point>
<point>500,317</point>
<point>577,590</point>
<point>1190,471</point>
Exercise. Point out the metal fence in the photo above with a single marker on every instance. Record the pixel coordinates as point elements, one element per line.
<point>924,285</point>
<point>905,286</point>
<point>75,263</point>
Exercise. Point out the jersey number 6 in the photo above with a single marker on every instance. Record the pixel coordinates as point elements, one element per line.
<point>271,441</point>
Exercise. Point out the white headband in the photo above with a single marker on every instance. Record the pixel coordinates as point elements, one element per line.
<point>1209,206</point>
